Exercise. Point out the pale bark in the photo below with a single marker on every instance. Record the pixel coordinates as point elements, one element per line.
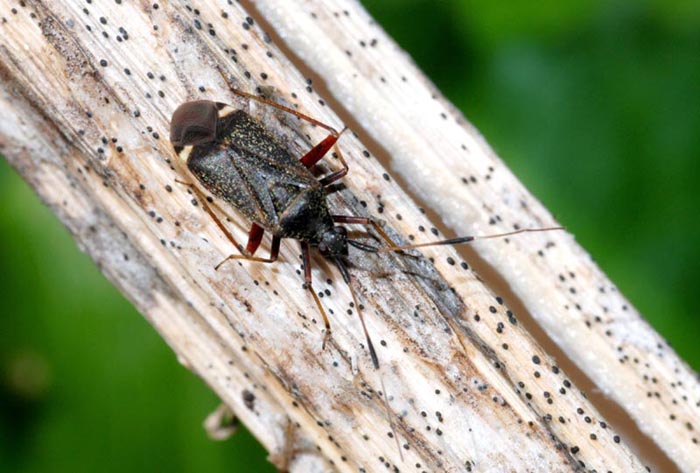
<point>92,140</point>
<point>434,149</point>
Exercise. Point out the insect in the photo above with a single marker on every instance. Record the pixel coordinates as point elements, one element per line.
<point>235,158</point>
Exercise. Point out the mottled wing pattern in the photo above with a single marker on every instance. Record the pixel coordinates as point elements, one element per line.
<point>250,170</point>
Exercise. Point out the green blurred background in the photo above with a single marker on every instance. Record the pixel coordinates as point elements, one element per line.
<point>595,105</point>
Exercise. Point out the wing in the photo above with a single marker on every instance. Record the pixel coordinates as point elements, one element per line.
<point>249,169</point>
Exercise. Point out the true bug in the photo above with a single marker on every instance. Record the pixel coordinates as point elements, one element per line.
<point>237,159</point>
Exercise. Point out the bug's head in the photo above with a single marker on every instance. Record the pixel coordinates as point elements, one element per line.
<point>194,123</point>
<point>334,242</point>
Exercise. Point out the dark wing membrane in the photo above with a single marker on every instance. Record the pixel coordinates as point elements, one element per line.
<point>244,132</point>
<point>211,164</point>
<point>250,170</point>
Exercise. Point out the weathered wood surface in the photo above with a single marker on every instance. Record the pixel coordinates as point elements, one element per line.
<point>87,92</point>
<point>564,290</point>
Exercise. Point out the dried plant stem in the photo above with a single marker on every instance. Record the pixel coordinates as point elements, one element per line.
<point>87,99</point>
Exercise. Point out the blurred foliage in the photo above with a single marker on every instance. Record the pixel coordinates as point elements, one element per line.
<point>595,105</point>
<point>85,383</point>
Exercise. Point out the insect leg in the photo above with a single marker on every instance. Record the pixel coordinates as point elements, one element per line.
<point>316,153</point>
<point>274,251</point>
<point>255,236</point>
<point>306,255</point>
<point>203,199</point>
<point>337,175</point>
<point>373,354</point>
<point>348,280</point>
<point>309,119</point>
<point>351,219</point>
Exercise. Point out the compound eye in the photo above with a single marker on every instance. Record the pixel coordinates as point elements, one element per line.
<point>340,230</point>
<point>194,123</point>
<point>323,248</point>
